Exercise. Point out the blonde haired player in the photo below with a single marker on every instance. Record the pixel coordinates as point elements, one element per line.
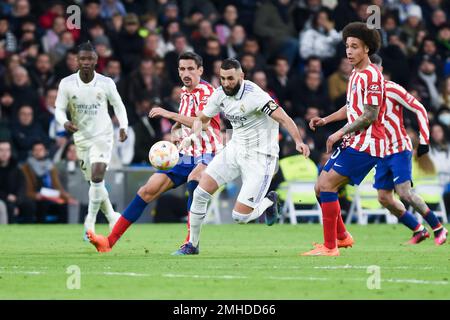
<point>85,96</point>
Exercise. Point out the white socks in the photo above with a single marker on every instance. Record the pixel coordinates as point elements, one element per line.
<point>255,214</point>
<point>197,214</point>
<point>97,193</point>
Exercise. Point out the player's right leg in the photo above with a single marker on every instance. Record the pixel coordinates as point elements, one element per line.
<point>384,183</point>
<point>155,186</point>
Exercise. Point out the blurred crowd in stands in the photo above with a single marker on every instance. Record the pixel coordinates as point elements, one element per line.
<point>291,48</point>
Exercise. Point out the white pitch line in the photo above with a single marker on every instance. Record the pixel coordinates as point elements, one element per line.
<point>202,276</point>
<point>129,274</point>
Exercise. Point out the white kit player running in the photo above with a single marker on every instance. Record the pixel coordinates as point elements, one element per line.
<point>252,153</point>
<point>85,96</point>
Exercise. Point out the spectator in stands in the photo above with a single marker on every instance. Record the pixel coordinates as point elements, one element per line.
<point>180,45</point>
<point>141,81</point>
<point>275,26</point>
<point>235,43</point>
<point>445,93</point>
<point>213,52</point>
<point>172,102</point>
<point>109,8</point>
<point>312,92</point>
<point>25,132</point>
<point>337,83</point>
<point>129,54</point>
<point>443,40</point>
<point>153,47</point>
<point>428,47</point>
<point>304,12</point>
<point>114,70</point>
<point>12,189</point>
<point>41,74</point>
<point>52,36</point>
<point>321,39</point>
<point>226,23</point>
<point>147,130</point>
<point>412,26</point>
<point>280,81</point>
<point>7,39</point>
<point>260,78</point>
<point>22,92</point>
<point>438,18</point>
<point>248,63</point>
<point>90,16</point>
<point>251,45</point>
<point>41,176</point>
<point>201,36</point>
<point>426,81</point>
<point>67,66</point>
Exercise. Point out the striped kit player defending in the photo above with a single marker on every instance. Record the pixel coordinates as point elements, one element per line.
<point>193,157</point>
<point>364,136</point>
<point>394,171</point>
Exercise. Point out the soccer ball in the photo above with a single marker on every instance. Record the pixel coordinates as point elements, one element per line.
<point>163,155</point>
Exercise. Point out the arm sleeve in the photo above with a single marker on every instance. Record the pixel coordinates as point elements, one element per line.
<point>61,103</point>
<point>263,102</point>
<point>408,101</point>
<point>212,107</point>
<point>373,88</point>
<point>119,108</point>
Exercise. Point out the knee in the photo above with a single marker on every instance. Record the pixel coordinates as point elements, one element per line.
<point>406,196</point>
<point>384,199</point>
<point>148,192</point>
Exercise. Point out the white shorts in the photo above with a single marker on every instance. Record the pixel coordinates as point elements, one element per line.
<point>89,152</point>
<point>256,171</point>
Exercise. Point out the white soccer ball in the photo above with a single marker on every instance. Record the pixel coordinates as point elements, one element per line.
<point>163,155</point>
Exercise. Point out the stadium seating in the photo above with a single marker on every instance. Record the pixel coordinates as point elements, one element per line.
<point>300,175</point>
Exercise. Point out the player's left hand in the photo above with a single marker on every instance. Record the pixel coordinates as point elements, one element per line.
<point>123,135</point>
<point>422,149</point>
<point>303,149</point>
<point>158,112</point>
<point>335,137</point>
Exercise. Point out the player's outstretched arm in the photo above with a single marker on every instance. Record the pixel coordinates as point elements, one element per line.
<point>339,115</point>
<point>200,123</point>
<point>185,120</point>
<point>283,119</point>
<point>369,115</point>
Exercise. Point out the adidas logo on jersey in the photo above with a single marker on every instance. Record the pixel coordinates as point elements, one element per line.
<point>251,199</point>
<point>74,97</point>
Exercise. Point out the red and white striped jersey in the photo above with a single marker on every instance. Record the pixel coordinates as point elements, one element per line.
<point>191,103</point>
<point>366,87</point>
<point>397,98</point>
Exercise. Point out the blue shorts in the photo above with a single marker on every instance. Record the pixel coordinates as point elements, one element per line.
<point>351,163</point>
<point>393,169</point>
<point>179,174</point>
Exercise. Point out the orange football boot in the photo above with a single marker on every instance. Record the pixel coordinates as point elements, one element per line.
<point>321,250</point>
<point>100,242</point>
<point>347,242</point>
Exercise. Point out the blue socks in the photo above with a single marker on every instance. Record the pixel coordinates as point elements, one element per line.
<point>191,185</point>
<point>409,220</point>
<point>134,209</point>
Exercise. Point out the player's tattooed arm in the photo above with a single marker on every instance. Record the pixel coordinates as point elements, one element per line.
<point>363,121</point>
<point>369,115</point>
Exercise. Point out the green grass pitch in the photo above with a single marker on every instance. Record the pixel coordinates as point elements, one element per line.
<point>235,262</point>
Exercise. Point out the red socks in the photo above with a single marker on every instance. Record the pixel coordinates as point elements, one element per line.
<point>119,228</point>
<point>331,210</point>
<point>341,230</point>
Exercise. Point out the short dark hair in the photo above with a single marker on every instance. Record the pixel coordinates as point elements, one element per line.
<point>191,56</point>
<point>376,59</point>
<point>370,37</point>
<point>86,46</point>
<point>230,63</point>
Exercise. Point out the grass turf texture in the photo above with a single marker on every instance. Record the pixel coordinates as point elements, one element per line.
<point>235,262</point>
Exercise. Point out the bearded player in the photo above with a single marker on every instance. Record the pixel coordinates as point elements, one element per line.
<point>193,157</point>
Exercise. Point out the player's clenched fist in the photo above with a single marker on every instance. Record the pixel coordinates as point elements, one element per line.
<point>303,149</point>
<point>122,135</point>
<point>69,126</point>
<point>316,122</point>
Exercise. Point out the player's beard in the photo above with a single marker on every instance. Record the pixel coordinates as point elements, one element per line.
<point>233,91</point>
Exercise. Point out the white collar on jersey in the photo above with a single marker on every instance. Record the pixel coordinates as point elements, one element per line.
<point>240,93</point>
<point>82,83</point>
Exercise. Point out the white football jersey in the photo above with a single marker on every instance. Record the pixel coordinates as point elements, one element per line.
<point>87,104</point>
<point>248,111</point>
